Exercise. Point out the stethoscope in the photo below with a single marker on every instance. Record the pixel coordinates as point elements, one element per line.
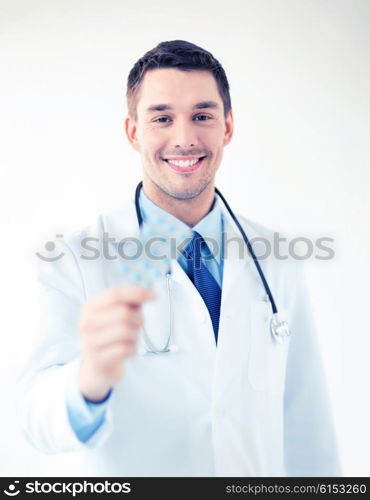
<point>279,329</point>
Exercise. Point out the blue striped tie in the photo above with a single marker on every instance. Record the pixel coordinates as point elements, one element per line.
<point>203,280</point>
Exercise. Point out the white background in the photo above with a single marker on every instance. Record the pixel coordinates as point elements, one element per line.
<point>298,163</point>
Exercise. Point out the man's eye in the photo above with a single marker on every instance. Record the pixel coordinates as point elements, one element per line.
<point>204,118</point>
<point>161,119</point>
<point>166,119</point>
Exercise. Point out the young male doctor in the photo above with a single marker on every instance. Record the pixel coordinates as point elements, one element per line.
<point>230,399</point>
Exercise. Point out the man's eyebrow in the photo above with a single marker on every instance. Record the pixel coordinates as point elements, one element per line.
<point>167,107</point>
<point>158,107</point>
<point>206,104</point>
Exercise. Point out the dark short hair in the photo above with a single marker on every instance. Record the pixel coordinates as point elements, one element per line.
<point>181,55</point>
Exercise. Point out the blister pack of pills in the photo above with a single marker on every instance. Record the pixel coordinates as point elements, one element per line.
<point>148,258</point>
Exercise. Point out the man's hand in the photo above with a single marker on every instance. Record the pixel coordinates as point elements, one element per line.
<point>109,326</point>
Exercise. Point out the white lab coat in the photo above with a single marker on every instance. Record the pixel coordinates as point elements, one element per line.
<point>248,407</point>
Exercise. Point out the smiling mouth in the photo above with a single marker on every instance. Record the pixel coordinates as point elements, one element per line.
<point>188,165</point>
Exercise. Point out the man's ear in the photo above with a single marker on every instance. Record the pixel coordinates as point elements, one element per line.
<point>131,132</point>
<point>229,127</point>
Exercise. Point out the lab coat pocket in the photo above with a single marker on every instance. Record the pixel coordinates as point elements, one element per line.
<point>268,358</point>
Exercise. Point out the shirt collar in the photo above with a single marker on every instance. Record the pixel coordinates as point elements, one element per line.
<point>209,227</point>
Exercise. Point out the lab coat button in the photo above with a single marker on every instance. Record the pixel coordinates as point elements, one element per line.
<point>174,348</point>
<point>141,351</point>
<point>220,412</point>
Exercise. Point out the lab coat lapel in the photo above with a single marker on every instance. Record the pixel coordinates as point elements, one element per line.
<point>198,320</point>
<point>240,284</point>
<point>238,263</point>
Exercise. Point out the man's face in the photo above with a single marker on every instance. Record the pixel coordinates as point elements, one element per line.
<point>180,130</point>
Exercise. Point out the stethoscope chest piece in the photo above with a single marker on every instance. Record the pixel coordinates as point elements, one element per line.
<point>279,329</point>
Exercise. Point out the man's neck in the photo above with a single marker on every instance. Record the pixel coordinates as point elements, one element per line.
<point>189,211</point>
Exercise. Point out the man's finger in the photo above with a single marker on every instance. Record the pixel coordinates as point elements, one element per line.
<point>131,294</point>
<point>110,317</point>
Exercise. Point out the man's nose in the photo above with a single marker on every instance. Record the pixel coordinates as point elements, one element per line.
<point>184,134</point>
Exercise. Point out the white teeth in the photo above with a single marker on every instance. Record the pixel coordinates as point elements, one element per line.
<point>187,163</point>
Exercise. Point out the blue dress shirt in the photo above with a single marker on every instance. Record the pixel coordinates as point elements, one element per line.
<point>85,416</point>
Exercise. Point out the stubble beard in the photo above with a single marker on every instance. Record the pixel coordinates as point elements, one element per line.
<point>185,193</point>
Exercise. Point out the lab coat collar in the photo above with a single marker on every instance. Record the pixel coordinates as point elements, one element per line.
<point>121,223</point>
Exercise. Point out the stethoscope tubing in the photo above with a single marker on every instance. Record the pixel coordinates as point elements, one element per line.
<point>242,232</point>
<point>251,251</point>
